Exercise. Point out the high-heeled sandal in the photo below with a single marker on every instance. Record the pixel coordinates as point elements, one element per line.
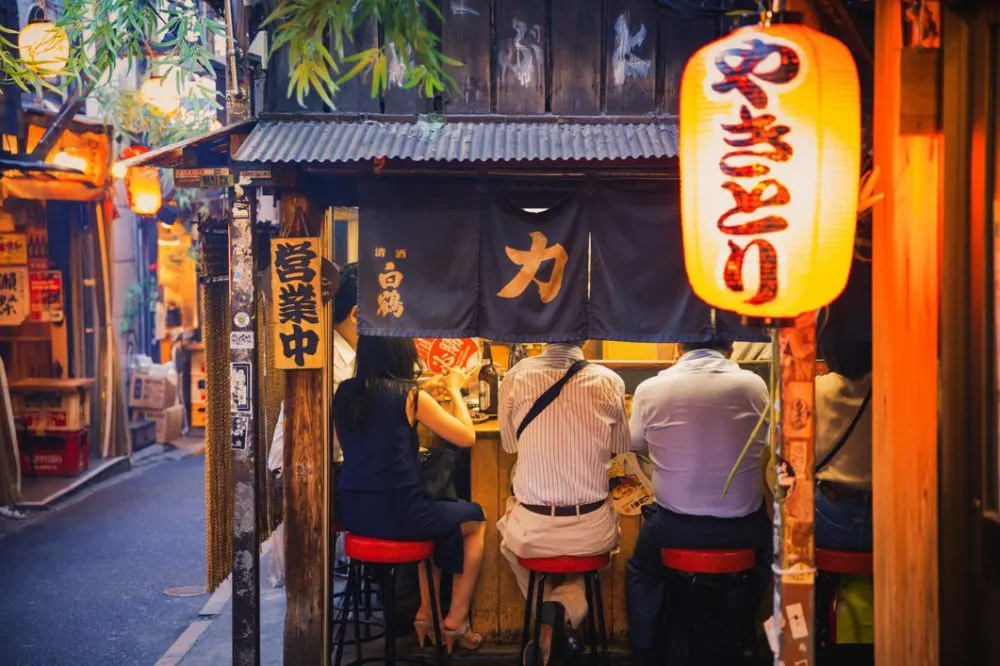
<point>465,637</point>
<point>425,631</point>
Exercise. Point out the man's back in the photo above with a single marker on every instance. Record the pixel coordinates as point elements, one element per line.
<point>562,456</point>
<point>695,418</point>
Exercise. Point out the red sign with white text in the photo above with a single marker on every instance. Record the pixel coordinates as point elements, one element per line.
<point>442,354</point>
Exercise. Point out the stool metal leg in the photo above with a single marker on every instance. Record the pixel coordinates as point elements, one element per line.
<point>526,627</point>
<point>367,592</point>
<point>602,628</point>
<point>438,642</point>
<point>354,604</point>
<point>537,648</point>
<point>591,611</point>
<point>389,613</point>
<point>344,618</point>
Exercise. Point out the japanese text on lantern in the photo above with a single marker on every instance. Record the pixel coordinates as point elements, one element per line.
<point>296,308</point>
<point>749,73</point>
<point>390,301</point>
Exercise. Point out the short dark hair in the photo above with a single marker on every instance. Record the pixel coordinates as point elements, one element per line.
<point>845,355</point>
<point>382,363</point>
<point>714,344</point>
<point>346,297</point>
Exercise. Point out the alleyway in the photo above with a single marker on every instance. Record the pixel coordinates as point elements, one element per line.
<point>84,584</point>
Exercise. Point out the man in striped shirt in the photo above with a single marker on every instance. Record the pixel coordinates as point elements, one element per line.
<point>560,483</point>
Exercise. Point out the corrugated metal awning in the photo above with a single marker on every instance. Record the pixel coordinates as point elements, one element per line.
<point>344,141</point>
<point>172,155</point>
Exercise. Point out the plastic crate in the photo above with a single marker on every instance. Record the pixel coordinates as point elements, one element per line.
<point>54,453</point>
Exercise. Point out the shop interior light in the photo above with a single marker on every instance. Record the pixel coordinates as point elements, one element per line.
<point>43,45</point>
<point>143,187</point>
<point>69,161</point>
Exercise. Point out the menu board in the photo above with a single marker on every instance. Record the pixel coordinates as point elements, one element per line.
<point>46,296</point>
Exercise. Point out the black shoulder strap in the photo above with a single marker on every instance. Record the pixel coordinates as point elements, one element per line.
<point>545,399</point>
<point>846,436</point>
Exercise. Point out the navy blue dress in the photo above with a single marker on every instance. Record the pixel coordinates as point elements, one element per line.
<point>379,487</point>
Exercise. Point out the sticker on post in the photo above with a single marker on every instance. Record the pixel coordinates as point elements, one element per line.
<point>797,621</point>
<point>771,631</point>
<point>241,424</point>
<point>241,320</point>
<point>241,385</point>
<point>242,340</point>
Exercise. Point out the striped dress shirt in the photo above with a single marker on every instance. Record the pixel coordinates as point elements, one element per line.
<point>563,456</point>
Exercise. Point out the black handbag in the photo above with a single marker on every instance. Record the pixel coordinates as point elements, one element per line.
<point>437,472</point>
<point>437,468</point>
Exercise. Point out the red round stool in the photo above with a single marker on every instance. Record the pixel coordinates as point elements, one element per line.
<point>541,568</point>
<point>830,566</point>
<point>705,572</point>
<point>366,550</point>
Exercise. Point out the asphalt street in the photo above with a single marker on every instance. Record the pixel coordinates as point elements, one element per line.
<point>83,584</point>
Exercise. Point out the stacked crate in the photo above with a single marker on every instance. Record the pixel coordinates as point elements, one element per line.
<point>199,389</point>
<point>53,421</point>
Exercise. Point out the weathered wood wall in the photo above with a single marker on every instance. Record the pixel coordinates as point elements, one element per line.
<point>532,57</point>
<point>906,270</point>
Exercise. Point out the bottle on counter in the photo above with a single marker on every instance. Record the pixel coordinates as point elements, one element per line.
<point>517,354</point>
<point>489,382</point>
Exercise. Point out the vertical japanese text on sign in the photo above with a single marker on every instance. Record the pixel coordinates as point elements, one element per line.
<point>390,301</point>
<point>295,299</point>
<point>770,161</point>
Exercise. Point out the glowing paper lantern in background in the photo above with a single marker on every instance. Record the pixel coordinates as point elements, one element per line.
<point>770,152</point>
<point>161,93</point>
<point>69,161</point>
<point>43,46</point>
<point>143,186</point>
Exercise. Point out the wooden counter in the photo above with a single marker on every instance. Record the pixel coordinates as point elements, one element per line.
<point>498,607</point>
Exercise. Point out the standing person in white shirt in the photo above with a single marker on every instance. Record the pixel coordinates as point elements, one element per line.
<point>560,505</point>
<point>694,419</point>
<point>844,444</point>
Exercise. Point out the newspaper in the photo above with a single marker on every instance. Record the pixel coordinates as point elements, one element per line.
<point>630,488</point>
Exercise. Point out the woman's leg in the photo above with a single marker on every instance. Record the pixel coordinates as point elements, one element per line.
<point>473,538</point>
<point>424,612</point>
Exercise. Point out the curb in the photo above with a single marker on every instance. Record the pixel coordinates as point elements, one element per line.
<point>208,614</point>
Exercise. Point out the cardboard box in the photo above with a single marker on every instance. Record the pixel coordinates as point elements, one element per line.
<point>169,422</point>
<point>51,410</point>
<point>149,392</point>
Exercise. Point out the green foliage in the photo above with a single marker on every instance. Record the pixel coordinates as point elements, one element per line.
<point>316,32</point>
<point>104,33</point>
<point>139,296</point>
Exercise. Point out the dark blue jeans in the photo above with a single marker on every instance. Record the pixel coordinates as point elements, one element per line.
<point>646,577</point>
<point>845,524</point>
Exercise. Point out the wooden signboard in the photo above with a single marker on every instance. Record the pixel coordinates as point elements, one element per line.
<point>631,32</point>
<point>464,36</point>
<point>13,295</point>
<point>520,56</point>
<point>576,47</point>
<point>295,303</point>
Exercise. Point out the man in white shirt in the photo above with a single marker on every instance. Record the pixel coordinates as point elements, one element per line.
<point>844,420</point>
<point>694,420</point>
<point>560,506</point>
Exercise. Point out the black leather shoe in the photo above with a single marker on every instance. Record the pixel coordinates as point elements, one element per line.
<point>566,642</point>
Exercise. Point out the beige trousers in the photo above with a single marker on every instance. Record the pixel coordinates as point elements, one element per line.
<point>530,535</point>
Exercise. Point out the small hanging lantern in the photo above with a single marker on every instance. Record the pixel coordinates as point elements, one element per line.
<point>43,45</point>
<point>143,186</point>
<point>118,169</point>
<point>770,150</point>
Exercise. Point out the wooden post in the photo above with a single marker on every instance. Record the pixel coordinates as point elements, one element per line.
<point>794,560</point>
<point>304,478</point>
<point>906,325</point>
<point>244,409</point>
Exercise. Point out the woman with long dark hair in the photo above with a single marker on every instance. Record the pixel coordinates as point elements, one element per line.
<point>379,487</point>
